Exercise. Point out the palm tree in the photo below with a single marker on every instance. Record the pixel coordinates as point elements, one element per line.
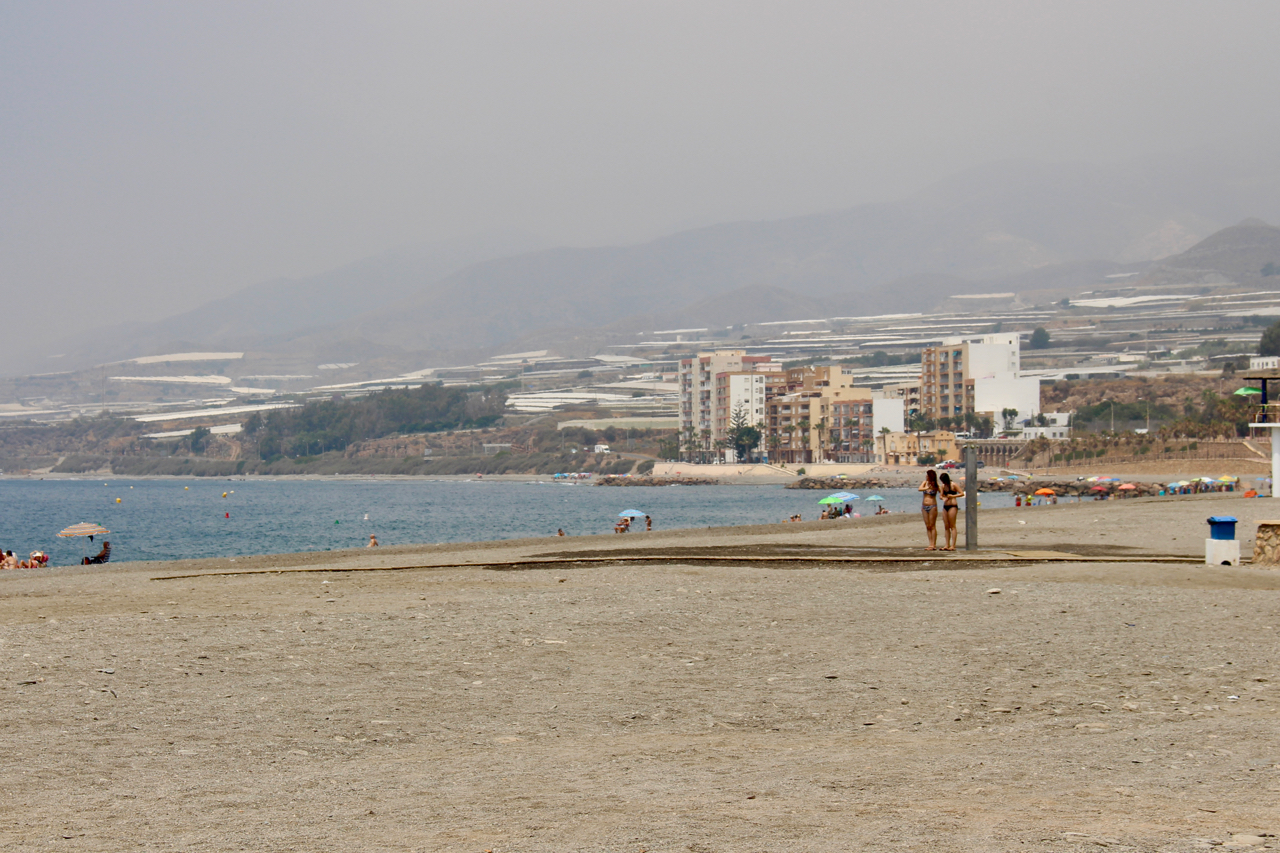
<point>774,443</point>
<point>790,429</point>
<point>884,440</point>
<point>822,432</point>
<point>689,444</point>
<point>803,424</point>
<point>706,444</point>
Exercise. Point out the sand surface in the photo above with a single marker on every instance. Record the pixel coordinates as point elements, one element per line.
<point>661,705</point>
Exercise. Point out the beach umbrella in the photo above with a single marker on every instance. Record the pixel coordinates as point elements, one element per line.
<point>631,513</point>
<point>84,528</point>
<point>1247,392</point>
<point>1100,489</point>
<point>1228,479</point>
<point>875,497</point>
<point>1174,485</point>
<point>1128,486</point>
<point>1045,492</point>
<point>1184,482</point>
<point>1206,480</point>
<point>832,499</point>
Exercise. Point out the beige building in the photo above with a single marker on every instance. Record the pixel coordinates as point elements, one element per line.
<point>905,448</point>
<point>819,416</point>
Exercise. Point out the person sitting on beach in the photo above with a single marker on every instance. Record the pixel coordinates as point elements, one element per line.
<point>373,541</point>
<point>880,510</point>
<point>9,562</point>
<point>102,556</point>
<point>560,531</point>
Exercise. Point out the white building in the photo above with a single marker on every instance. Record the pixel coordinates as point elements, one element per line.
<point>980,374</point>
<point>890,413</point>
<point>1057,425</point>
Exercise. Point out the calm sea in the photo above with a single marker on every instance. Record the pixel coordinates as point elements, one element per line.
<point>175,518</point>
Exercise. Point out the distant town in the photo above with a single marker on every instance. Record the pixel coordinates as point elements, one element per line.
<point>904,389</point>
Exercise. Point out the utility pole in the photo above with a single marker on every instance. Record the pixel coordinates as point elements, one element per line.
<point>1113,415</point>
<point>970,498</point>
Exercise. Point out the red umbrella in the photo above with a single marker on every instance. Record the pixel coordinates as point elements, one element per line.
<point>1128,486</point>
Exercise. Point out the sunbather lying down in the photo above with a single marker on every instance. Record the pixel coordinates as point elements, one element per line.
<point>102,556</point>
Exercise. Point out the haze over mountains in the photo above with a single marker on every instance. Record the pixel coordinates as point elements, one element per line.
<point>1001,227</point>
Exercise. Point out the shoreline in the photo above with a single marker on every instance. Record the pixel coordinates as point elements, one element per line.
<point>880,533</point>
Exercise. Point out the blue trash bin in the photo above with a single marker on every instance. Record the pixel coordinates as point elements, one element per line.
<point>1222,527</point>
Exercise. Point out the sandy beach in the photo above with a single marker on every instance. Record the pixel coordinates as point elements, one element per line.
<point>809,687</point>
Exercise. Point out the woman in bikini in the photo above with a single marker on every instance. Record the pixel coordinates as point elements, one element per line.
<point>929,507</point>
<point>950,510</point>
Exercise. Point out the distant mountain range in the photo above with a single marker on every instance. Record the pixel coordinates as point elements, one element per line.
<point>1003,227</point>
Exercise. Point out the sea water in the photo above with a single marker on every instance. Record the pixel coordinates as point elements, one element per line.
<point>176,518</point>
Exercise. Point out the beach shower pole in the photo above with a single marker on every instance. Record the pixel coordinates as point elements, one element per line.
<point>970,498</point>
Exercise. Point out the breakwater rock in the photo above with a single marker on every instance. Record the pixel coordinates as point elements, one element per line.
<point>1073,488</point>
<point>656,481</point>
<point>836,484</point>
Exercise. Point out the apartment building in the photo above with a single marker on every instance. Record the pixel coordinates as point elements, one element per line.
<point>714,384</point>
<point>975,375</point>
<point>819,415</point>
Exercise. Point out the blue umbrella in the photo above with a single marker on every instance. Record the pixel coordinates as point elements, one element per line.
<point>631,513</point>
<point>875,497</point>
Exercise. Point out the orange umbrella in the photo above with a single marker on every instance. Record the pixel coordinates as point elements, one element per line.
<point>1045,492</point>
<point>1128,486</point>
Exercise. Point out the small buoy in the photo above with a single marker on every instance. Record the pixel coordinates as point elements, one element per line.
<point>224,494</point>
<point>337,522</point>
<point>117,500</point>
<point>186,488</point>
<point>366,516</point>
<point>233,491</point>
<point>131,487</point>
<point>228,515</point>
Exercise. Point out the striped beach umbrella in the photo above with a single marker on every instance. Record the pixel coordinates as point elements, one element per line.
<point>84,528</point>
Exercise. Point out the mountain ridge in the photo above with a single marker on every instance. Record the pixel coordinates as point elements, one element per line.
<point>1001,226</point>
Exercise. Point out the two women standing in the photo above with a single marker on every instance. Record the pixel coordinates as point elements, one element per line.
<point>950,494</point>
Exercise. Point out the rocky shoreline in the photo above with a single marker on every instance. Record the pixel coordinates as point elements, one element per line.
<point>612,480</point>
<point>1071,488</point>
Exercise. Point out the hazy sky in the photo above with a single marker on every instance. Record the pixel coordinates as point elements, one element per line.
<point>155,155</point>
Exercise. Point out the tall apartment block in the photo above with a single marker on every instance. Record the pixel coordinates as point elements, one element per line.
<point>978,375</point>
<point>714,384</point>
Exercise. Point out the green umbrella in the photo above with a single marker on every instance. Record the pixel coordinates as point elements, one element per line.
<point>1247,392</point>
